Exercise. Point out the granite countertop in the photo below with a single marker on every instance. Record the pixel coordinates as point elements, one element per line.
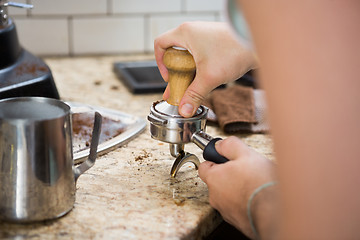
<point>128,193</point>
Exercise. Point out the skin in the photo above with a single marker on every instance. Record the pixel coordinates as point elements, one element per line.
<point>211,72</point>
<point>310,65</point>
<point>211,69</point>
<point>309,58</point>
<point>254,170</point>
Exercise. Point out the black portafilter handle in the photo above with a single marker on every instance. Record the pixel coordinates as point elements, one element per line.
<point>207,144</point>
<point>210,153</point>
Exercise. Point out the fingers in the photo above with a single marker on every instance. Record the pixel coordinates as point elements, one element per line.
<point>166,93</point>
<point>163,42</point>
<point>199,88</point>
<point>159,53</point>
<point>232,148</point>
<point>204,170</point>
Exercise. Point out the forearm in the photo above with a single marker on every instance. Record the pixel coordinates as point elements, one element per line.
<point>264,212</point>
<point>311,79</point>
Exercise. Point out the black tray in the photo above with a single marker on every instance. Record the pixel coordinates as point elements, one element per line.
<point>140,77</point>
<point>144,77</point>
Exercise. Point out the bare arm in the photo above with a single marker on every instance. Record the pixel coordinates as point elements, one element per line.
<point>309,55</point>
<point>309,65</point>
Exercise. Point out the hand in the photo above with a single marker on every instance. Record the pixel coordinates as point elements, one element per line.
<point>231,184</point>
<point>219,59</point>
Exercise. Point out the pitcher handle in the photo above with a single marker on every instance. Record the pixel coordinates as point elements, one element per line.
<point>93,148</point>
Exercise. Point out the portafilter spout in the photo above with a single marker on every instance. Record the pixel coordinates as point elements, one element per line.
<point>167,125</point>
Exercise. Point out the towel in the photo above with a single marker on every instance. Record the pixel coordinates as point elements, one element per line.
<point>238,109</point>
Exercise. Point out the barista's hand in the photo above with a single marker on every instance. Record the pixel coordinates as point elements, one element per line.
<point>231,184</point>
<point>218,55</point>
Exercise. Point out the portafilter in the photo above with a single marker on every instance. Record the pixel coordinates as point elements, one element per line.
<point>167,125</point>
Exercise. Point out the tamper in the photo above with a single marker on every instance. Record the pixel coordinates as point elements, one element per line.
<point>167,125</point>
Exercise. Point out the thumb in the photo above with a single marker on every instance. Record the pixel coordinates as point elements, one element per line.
<point>232,148</point>
<point>193,97</point>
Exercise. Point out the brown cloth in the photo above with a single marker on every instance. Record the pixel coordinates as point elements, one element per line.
<point>238,109</point>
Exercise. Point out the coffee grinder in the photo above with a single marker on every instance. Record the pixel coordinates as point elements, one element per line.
<point>21,73</point>
<point>167,125</point>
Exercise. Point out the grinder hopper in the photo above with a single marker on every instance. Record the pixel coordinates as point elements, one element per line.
<point>21,73</point>
<point>167,125</point>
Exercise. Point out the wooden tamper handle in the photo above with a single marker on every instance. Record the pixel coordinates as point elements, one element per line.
<point>181,68</point>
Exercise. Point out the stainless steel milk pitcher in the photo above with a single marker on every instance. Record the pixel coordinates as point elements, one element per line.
<point>37,175</point>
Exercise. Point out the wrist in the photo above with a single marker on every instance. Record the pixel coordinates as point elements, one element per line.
<point>262,208</point>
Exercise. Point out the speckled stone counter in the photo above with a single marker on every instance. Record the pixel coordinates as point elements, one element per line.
<point>128,194</point>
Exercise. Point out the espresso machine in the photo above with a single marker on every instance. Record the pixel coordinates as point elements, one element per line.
<point>167,125</point>
<point>21,73</point>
